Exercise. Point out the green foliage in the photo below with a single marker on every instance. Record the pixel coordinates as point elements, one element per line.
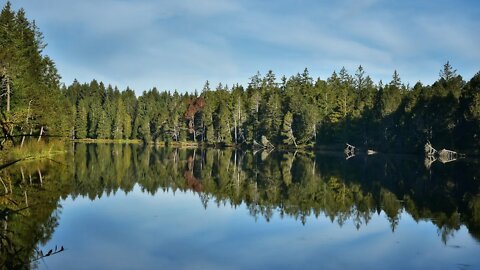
<point>33,149</point>
<point>342,108</point>
<point>224,125</point>
<point>81,120</point>
<point>103,127</point>
<point>287,132</point>
<point>31,98</point>
<point>295,112</point>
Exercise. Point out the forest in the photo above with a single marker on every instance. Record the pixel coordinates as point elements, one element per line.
<point>286,112</point>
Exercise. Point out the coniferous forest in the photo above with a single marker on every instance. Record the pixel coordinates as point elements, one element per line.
<point>295,111</point>
<point>255,170</point>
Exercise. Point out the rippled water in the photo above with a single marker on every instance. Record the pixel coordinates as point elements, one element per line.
<point>130,207</point>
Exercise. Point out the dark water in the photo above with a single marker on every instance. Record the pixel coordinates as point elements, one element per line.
<point>130,207</point>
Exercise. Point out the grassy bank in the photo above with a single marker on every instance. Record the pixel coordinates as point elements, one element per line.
<point>125,141</point>
<point>137,141</point>
<point>35,150</point>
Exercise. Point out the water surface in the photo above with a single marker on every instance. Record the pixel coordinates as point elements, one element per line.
<point>130,207</point>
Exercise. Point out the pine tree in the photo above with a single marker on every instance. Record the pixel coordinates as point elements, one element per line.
<point>103,127</point>
<point>119,120</point>
<point>224,125</point>
<point>81,120</point>
<point>447,73</point>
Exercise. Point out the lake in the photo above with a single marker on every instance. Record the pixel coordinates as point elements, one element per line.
<point>134,207</point>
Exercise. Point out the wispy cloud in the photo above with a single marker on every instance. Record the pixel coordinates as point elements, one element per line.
<point>180,44</point>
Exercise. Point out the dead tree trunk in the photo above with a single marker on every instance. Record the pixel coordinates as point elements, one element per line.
<point>40,135</point>
<point>5,186</point>
<point>40,177</point>
<point>8,96</point>
<point>7,84</point>
<point>26,198</point>
<point>235,123</point>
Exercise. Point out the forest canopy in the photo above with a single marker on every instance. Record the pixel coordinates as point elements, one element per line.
<point>298,111</point>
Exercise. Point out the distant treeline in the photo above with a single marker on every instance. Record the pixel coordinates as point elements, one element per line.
<point>298,111</point>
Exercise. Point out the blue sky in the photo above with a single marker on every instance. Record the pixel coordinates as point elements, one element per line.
<point>179,44</point>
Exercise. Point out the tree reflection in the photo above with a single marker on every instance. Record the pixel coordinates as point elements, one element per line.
<point>270,185</point>
<point>30,211</point>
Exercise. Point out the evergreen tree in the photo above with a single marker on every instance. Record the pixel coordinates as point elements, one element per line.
<point>81,120</point>
<point>103,127</point>
<point>296,110</point>
<point>447,73</point>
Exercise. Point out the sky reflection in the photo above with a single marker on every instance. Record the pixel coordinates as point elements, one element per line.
<point>174,231</point>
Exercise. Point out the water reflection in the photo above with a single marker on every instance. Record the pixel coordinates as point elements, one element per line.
<point>269,184</point>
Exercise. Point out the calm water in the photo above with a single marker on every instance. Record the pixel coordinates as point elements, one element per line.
<point>130,207</point>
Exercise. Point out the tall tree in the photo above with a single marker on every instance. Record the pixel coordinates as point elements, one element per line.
<point>81,120</point>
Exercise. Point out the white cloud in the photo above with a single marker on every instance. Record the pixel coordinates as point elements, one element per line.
<point>453,36</point>
<point>146,43</point>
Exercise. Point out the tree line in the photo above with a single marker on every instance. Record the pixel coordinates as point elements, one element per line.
<point>299,111</point>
